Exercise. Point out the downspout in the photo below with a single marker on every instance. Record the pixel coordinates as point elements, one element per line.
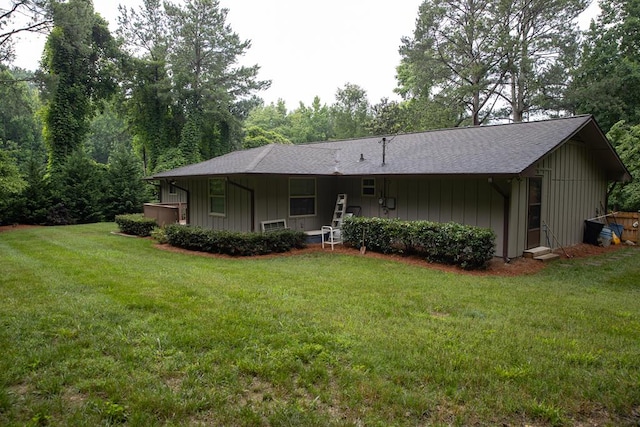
<point>188,200</point>
<point>252,194</point>
<point>505,231</point>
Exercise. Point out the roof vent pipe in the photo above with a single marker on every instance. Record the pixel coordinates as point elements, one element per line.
<point>361,157</point>
<point>384,150</point>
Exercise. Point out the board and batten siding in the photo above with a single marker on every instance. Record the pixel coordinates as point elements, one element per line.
<point>466,201</point>
<point>463,200</point>
<point>271,202</point>
<point>574,188</point>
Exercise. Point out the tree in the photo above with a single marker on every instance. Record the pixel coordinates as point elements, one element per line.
<point>107,134</point>
<point>311,124</point>
<point>13,23</point>
<point>455,54</point>
<point>257,137</point>
<point>80,65</point>
<point>10,180</point>
<point>350,113</point>
<point>607,82</point>
<point>20,130</point>
<point>472,55</point>
<point>149,108</point>
<point>541,39</point>
<point>207,82</point>
<point>77,191</point>
<point>626,140</point>
<point>125,190</point>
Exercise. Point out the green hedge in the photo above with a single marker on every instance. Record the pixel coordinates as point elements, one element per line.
<point>136,224</point>
<point>448,243</point>
<point>233,243</point>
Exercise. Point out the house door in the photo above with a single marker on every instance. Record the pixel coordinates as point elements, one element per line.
<point>534,212</point>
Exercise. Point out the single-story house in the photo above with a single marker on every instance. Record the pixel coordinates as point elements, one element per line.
<point>533,183</point>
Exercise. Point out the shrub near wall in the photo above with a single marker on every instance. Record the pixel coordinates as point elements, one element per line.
<point>136,224</point>
<point>450,243</point>
<point>233,243</point>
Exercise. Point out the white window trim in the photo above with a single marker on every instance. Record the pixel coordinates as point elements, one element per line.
<point>209,196</point>
<point>315,198</point>
<point>362,187</point>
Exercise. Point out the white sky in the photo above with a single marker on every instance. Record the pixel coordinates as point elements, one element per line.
<point>305,48</point>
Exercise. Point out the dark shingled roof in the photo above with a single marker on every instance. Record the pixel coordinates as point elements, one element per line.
<point>508,149</point>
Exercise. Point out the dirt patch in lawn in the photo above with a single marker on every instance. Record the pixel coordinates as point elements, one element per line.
<point>497,266</point>
<point>13,227</point>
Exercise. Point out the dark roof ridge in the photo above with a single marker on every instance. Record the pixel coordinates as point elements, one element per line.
<point>392,135</point>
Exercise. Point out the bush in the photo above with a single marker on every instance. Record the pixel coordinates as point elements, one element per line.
<point>233,243</point>
<point>450,243</point>
<point>136,224</point>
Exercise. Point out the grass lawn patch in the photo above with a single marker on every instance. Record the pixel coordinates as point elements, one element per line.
<point>99,329</point>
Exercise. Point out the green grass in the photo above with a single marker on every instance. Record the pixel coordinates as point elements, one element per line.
<point>100,329</point>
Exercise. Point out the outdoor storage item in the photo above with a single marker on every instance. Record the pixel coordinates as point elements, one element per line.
<point>592,230</point>
<point>617,228</point>
<point>606,235</point>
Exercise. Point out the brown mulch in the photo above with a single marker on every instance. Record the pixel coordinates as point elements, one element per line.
<point>497,267</point>
<point>4,228</point>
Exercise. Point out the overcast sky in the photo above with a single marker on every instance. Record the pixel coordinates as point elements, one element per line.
<point>305,48</point>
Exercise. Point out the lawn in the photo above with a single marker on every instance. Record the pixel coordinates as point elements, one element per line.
<point>101,329</point>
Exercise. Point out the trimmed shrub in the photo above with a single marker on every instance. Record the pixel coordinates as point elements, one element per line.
<point>233,243</point>
<point>136,224</point>
<point>449,243</point>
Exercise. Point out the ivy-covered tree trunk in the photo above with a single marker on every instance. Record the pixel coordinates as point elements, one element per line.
<point>79,71</point>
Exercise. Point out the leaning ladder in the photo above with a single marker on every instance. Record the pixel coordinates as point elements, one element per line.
<point>334,236</point>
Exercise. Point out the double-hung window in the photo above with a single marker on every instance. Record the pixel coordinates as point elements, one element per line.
<point>368,186</point>
<point>218,196</point>
<point>302,196</point>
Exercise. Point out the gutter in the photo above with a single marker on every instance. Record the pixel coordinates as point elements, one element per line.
<point>505,231</point>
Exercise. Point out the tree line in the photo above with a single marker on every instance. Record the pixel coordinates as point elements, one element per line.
<point>165,90</point>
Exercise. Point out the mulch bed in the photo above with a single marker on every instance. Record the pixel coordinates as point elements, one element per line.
<point>497,267</point>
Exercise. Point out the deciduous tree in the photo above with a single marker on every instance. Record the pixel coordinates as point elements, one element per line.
<point>350,113</point>
<point>607,82</point>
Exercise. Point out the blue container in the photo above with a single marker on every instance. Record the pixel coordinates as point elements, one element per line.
<point>617,228</point>
<point>606,235</point>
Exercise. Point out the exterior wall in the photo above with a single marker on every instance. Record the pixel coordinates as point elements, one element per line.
<point>574,188</point>
<point>467,201</point>
<point>271,202</point>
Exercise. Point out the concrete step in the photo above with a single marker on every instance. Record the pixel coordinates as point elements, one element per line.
<point>535,252</point>
<point>547,257</point>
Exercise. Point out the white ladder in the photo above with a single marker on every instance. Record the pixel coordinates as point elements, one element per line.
<point>332,232</point>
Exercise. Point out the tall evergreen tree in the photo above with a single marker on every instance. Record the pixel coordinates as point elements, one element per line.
<point>469,56</point>
<point>350,112</point>
<point>149,110</point>
<point>540,43</point>
<point>455,56</point>
<point>207,80</point>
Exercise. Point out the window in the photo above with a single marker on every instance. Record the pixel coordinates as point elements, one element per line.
<point>217,196</point>
<point>172,189</point>
<point>368,186</point>
<point>302,196</point>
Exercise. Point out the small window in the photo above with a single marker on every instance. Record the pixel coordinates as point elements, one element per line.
<point>172,189</point>
<point>368,186</point>
<point>302,196</point>
<point>218,196</point>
